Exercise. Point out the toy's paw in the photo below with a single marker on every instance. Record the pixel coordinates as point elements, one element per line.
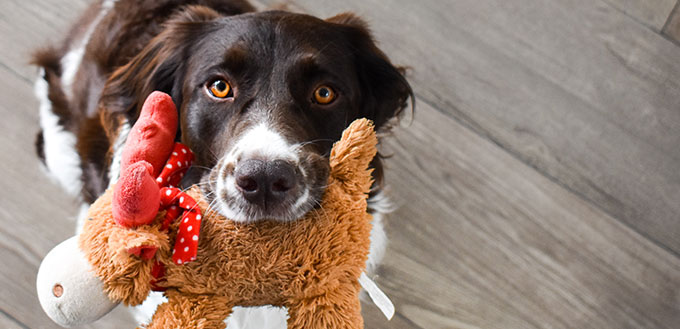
<point>68,290</point>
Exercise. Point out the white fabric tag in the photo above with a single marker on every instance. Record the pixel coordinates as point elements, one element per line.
<point>379,298</point>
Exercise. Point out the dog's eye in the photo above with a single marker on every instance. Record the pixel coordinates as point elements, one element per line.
<point>220,89</point>
<point>324,95</point>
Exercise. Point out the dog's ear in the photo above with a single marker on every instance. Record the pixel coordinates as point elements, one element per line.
<point>385,88</point>
<point>159,66</point>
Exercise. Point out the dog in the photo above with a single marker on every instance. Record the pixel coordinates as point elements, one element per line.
<point>261,97</point>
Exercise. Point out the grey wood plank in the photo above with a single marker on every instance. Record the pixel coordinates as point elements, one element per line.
<point>481,240</point>
<point>9,323</point>
<point>373,318</point>
<point>574,88</point>
<point>652,13</point>
<point>27,25</point>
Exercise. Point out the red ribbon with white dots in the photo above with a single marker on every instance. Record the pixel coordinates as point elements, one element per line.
<point>186,242</point>
<point>177,165</point>
<point>177,203</point>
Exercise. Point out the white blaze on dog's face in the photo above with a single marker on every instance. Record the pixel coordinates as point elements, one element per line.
<point>261,177</point>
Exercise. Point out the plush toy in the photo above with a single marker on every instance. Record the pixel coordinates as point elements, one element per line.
<point>143,234</point>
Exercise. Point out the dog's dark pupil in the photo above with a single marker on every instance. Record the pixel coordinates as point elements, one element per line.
<point>324,92</point>
<point>220,85</point>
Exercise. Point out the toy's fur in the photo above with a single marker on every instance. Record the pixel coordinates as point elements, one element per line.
<point>311,265</point>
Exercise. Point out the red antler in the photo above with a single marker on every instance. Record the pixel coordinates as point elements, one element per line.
<point>153,135</point>
<point>136,197</point>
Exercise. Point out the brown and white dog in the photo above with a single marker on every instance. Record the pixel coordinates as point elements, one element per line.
<point>261,98</point>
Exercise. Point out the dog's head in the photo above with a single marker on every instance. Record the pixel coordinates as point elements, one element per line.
<point>262,97</point>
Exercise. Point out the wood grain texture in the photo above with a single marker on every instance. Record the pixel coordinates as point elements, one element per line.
<point>25,26</point>
<point>7,322</point>
<point>575,88</point>
<point>481,240</point>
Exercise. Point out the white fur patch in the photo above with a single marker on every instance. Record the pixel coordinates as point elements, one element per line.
<point>143,312</point>
<point>261,317</point>
<point>378,243</point>
<point>380,206</point>
<point>61,158</point>
<point>263,143</point>
<point>108,4</point>
<point>228,185</point>
<point>114,169</point>
<point>82,216</point>
<point>70,63</point>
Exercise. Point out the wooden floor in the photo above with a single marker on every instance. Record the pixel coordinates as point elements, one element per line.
<point>538,184</point>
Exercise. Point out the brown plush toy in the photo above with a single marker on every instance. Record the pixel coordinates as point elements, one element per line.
<point>311,265</point>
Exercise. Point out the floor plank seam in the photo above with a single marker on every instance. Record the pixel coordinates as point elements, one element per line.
<point>647,26</point>
<point>13,319</point>
<point>663,33</point>
<point>481,133</point>
<point>670,39</point>
<point>670,17</point>
<point>15,73</point>
<point>407,320</point>
<point>633,18</point>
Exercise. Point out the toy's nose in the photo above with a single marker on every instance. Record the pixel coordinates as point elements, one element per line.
<point>265,183</point>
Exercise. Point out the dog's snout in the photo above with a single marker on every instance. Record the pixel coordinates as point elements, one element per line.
<point>265,183</point>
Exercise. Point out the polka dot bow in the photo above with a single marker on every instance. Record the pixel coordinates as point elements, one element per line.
<point>177,203</point>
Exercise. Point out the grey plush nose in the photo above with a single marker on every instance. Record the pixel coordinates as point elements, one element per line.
<point>265,183</point>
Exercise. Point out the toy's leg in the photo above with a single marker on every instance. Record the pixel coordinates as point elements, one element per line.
<point>337,309</point>
<point>204,312</point>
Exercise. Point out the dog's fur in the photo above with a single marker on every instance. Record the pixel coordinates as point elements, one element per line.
<point>92,87</point>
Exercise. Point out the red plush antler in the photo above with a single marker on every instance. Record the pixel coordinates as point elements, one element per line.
<point>136,198</point>
<point>150,151</point>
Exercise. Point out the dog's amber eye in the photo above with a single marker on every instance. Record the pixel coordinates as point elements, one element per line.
<point>324,95</point>
<point>220,89</point>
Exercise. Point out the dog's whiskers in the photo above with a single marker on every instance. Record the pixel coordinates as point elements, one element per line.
<point>300,145</point>
<point>201,167</point>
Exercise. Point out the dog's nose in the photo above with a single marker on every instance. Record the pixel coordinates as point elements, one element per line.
<point>265,183</point>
